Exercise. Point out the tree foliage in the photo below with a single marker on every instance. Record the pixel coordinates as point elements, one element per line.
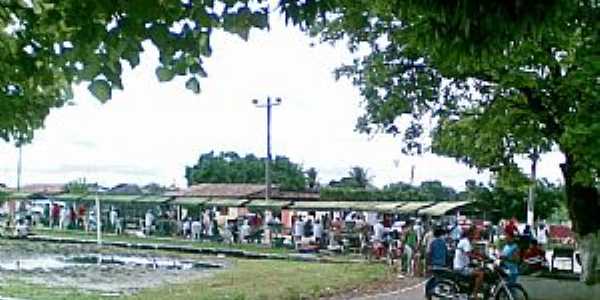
<point>497,201</point>
<point>46,46</point>
<point>230,167</point>
<point>358,178</point>
<point>77,186</point>
<point>501,201</point>
<point>529,94</point>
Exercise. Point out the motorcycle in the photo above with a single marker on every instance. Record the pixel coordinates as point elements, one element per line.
<point>449,284</point>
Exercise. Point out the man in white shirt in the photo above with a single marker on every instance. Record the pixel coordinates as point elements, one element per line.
<point>298,231</point>
<point>317,231</point>
<point>148,219</point>
<point>542,234</point>
<point>378,231</point>
<point>462,256</point>
<point>244,232</point>
<point>196,229</point>
<point>113,218</point>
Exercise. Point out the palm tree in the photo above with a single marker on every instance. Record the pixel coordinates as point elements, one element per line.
<point>360,176</point>
<point>311,178</point>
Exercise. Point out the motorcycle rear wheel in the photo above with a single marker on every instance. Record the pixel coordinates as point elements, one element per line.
<point>516,290</point>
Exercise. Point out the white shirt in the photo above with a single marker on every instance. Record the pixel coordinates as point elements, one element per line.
<point>542,236</point>
<point>113,217</point>
<point>149,219</point>
<point>317,230</point>
<point>456,232</point>
<point>245,230</point>
<point>299,228</point>
<point>196,226</point>
<point>418,231</point>
<point>378,230</point>
<point>461,259</point>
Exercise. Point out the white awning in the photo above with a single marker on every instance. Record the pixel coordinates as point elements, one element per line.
<point>441,208</point>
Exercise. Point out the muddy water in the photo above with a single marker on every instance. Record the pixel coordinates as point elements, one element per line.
<point>106,269</point>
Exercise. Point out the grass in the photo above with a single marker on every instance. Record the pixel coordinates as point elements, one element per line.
<point>133,239</point>
<point>246,280</point>
<point>263,280</point>
<point>22,290</point>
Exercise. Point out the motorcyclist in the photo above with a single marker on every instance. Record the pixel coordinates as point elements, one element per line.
<point>436,257</point>
<point>463,253</point>
<point>510,257</point>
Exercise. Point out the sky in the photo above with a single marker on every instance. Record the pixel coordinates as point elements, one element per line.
<point>150,131</point>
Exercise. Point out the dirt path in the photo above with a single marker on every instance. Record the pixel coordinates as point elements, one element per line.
<point>407,293</point>
<point>407,288</point>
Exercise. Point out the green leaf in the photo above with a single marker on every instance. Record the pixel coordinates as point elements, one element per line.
<point>193,85</point>
<point>164,74</point>
<point>133,57</point>
<point>100,89</point>
<point>197,69</point>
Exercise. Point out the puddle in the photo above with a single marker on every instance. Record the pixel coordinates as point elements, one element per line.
<point>30,264</point>
<point>103,270</point>
<point>49,263</point>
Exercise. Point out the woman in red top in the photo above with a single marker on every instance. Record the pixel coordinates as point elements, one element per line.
<point>511,228</point>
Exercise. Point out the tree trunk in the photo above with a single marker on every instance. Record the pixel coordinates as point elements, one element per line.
<point>583,203</point>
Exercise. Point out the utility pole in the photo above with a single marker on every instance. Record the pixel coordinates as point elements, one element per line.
<point>531,199</point>
<point>19,167</point>
<point>98,220</point>
<point>268,105</point>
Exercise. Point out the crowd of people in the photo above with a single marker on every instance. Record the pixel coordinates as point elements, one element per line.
<point>456,249</point>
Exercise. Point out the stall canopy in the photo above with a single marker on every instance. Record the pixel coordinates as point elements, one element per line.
<point>269,204</point>
<point>112,198</point>
<point>68,197</point>
<point>190,201</point>
<point>19,195</point>
<point>441,208</point>
<point>224,202</point>
<point>153,199</point>
<point>412,207</point>
<point>347,205</point>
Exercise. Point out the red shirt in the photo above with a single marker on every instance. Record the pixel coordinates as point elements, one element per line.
<point>510,229</point>
<point>55,210</point>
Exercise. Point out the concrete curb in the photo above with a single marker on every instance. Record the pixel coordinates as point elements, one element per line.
<point>190,249</point>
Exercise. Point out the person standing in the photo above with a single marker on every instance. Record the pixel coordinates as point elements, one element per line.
<point>82,216</point>
<point>54,215</point>
<point>378,232</point>
<point>113,218</point>
<point>187,228</point>
<point>456,232</point>
<point>298,231</point>
<point>245,232</point>
<point>148,219</point>
<point>317,232</point>
<point>542,234</point>
<point>196,229</point>
<point>64,215</point>
<point>511,228</point>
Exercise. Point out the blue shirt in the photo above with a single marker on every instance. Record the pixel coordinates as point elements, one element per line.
<point>508,252</point>
<point>438,252</point>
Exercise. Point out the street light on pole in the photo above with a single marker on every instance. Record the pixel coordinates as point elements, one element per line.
<point>268,105</point>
